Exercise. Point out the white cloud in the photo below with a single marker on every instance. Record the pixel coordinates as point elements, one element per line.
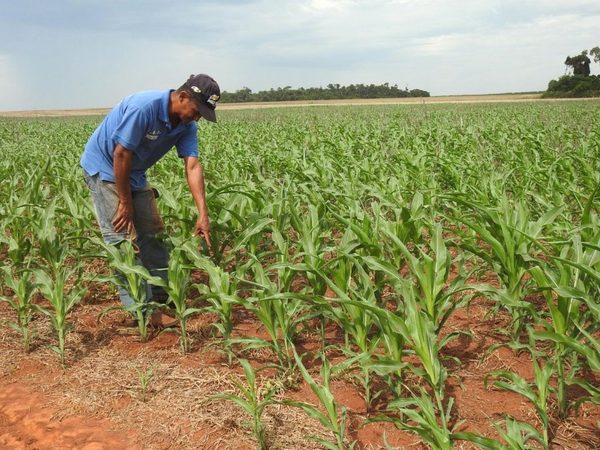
<point>321,5</point>
<point>444,46</point>
<point>11,89</point>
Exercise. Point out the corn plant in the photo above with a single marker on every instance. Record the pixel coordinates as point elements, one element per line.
<point>220,293</point>
<point>131,276</point>
<point>586,348</point>
<point>424,341</point>
<point>333,419</point>
<point>516,436</point>
<point>358,324</point>
<point>506,230</point>
<point>419,330</point>
<point>393,332</point>
<point>21,301</point>
<point>569,283</point>
<point>145,377</point>
<point>590,353</point>
<point>80,214</point>
<point>563,291</point>
<point>431,417</point>
<point>418,414</point>
<point>358,317</point>
<point>311,242</point>
<point>431,270</point>
<point>538,392</point>
<point>54,287</point>
<point>18,240</point>
<point>252,399</point>
<point>413,329</point>
<point>54,244</point>
<point>241,224</point>
<point>406,223</point>
<point>279,312</point>
<point>177,288</point>
<point>284,275</point>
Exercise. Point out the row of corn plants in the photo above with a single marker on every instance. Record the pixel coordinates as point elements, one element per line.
<point>373,225</point>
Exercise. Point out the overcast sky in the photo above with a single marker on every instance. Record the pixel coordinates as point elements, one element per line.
<point>79,54</point>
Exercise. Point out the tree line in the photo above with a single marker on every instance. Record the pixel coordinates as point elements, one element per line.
<point>331,92</point>
<point>577,81</point>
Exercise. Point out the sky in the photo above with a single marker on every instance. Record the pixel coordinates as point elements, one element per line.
<point>62,54</point>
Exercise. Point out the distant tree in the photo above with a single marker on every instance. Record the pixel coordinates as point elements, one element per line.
<point>595,52</point>
<point>577,82</point>
<point>580,64</point>
<point>332,91</point>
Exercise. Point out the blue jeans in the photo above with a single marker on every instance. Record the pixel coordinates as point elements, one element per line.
<point>153,253</point>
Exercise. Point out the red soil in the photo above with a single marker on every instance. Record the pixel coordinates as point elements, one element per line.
<point>34,414</point>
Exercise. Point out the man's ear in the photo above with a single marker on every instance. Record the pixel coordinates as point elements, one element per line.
<point>183,95</point>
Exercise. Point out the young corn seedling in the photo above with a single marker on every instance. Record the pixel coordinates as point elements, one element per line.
<point>279,313</point>
<point>145,378</point>
<point>357,316</point>
<point>21,302</point>
<point>135,279</point>
<point>62,300</point>
<point>358,324</point>
<point>177,288</point>
<point>284,276</point>
<point>81,214</point>
<point>54,244</point>
<point>392,331</point>
<point>253,400</point>
<point>407,224</point>
<point>332,419</point>
<point>237,223</point>
<point>516,435</point>
<point>432,419</point>
<point>220,293</point>
<point>431,271</point>
<point>17,237</point>
<point>418,329</point>
<point>570,286</point>
<point>538,392</point>
<point>311,242</point>
<point>563,290</point>
<point>507,231</point>
<point>361,238</point>
<point>418,414</point>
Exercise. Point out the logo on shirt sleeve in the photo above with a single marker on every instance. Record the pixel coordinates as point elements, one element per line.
<point>153,135</point>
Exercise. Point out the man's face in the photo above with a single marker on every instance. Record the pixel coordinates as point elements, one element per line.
<point>189,109</point>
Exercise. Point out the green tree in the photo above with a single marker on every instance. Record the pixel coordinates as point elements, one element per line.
<point>595,52</point>
<point>580,64</point>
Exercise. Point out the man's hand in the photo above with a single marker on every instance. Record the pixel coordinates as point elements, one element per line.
<point>195,178</point>
<point>203,229</point>
<point>123,220</point>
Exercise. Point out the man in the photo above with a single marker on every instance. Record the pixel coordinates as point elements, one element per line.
<point>139,131</point>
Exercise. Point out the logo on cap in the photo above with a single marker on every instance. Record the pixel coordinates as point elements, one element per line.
<point>196,89</point>
<point>213,99</point>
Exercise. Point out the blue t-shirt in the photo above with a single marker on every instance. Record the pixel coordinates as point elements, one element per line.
<point>139,123</point>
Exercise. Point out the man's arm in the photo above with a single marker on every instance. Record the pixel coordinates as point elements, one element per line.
<point>122,160</point>
<point>195,178</point>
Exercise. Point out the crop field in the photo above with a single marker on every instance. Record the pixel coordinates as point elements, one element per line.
<point>381,276</point>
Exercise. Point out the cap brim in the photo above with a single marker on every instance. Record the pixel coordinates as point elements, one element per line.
<point>207,112</point>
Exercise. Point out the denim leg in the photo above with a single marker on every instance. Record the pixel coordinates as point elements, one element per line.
<point>153,251</point>
<point>105,199</point>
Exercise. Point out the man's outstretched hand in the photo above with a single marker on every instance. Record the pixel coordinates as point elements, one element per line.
<point>203,229</point>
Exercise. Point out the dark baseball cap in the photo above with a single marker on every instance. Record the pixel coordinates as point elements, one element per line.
<point>207,92</point>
